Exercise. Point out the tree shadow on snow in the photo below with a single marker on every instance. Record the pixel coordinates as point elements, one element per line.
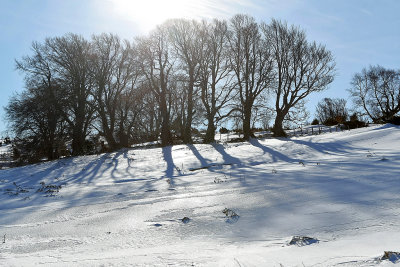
<point>386,126</point>
<point>203,161</point>
<point>228,159</point>
<point>274,154</point>
<point>327,147</point>
<point>169,172</point>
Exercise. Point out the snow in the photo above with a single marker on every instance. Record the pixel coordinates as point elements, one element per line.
<point>5,154</point>
<point>126,208</point>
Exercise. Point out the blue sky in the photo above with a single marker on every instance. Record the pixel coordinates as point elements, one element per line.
<point>358,32</point>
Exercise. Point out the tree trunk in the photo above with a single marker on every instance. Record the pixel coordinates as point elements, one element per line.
<point>111,140</point>
<point>78,135</point>
<point>108,131</point>
<point>50,152</point>
<point>51,145</point>
<point>78,142</point>
<point>123,139</point>
<point>247,122</point>
<point>210,134</point>
<point>278,126</point>
<point>187,138</point>
<point>108,134</point>
<point>166,137</point>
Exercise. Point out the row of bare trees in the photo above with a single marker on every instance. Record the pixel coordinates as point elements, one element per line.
<point>182,74</point>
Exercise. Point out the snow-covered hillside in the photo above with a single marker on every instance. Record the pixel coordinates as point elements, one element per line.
<point>126,208</point>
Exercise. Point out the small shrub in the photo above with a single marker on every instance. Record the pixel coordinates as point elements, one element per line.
<point>330,122</point>
<point>223,130</point>
<point>232,216</point>
<point>354,117</point>
<point>395,120</point>
<point>49,190</point>
<point>315,122</point>
<point>218,180</point>
<point>347,125</point>
<point>353,123</point>
<point>18,190</point>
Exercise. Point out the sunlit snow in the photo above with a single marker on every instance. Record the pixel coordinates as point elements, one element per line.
<point>128,207</point>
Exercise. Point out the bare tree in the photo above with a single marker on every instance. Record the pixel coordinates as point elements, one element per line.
<point>182,74</point>
<point>35,114</point>
<point>39,129</point>
<point>149,117</point>
<point>186,38</point>
<point>377,91</point>
<point>130,115</point>
<point>179,104</point>
<point>216,79</point>
<point>301,68</point>
<point>114,74</point>
<point>251,62</point>
<point>332,111</point>
<point>70,55</point>
<point>156,66</point>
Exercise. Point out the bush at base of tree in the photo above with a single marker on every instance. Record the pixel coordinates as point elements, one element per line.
<point>395,120</point>
<point>334,121</point>
<point>332,111</point>
<point>353,123</point>
<point>315,122</point>
<point>30,150</point>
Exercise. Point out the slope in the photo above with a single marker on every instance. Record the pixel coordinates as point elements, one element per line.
<point>126,208</point>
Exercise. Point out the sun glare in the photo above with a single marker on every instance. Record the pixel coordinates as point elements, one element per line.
<point>149,13</point>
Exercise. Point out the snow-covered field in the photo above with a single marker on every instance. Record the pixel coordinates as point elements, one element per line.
<point>126,208</point>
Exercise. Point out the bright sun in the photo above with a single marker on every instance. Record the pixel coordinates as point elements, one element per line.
<point>149,13</point>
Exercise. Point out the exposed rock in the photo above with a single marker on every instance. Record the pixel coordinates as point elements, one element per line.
<point>303,241</point>
<point>391,256</point>
<point>185,220</point>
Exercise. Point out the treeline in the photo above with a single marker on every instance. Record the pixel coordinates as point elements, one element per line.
<point>375,92</point>
<point>184,73</point>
